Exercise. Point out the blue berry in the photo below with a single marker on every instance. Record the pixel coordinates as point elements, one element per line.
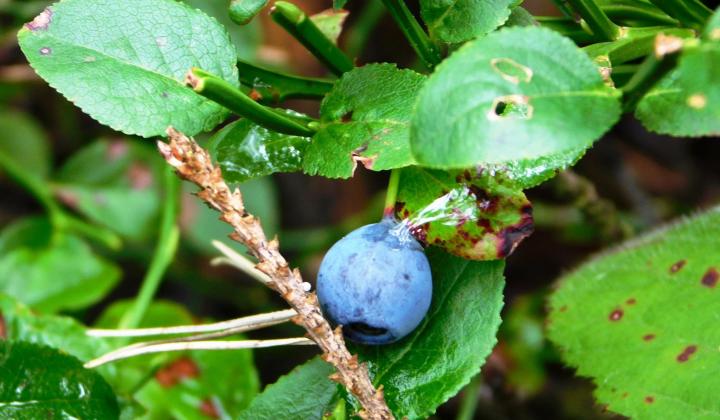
<point>376,283</point>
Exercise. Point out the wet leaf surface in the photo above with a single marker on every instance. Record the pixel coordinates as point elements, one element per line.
<point>640,321</point>
<point>470,215</point>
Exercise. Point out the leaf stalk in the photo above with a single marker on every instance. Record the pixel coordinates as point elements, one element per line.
<point>602,27</point>
<point>419,40</point>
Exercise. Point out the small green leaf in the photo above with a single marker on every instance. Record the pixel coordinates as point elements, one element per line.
<point>124,63</point>
<point>512,106</point>
<point>52,272</point>
<point>365,118</point>
<point>431,365</point>
<point>470,216</point>
<point>41,382</point>
<point>242,12</point>
<point>521,17</point>
<point>455,21</point>
<point>330,22</point>
<point>24,143</point>
<point>246,38</point>
<point>641,322</point>
<point>304,393</point>
<point>245,151</point>
<point>686,102</point>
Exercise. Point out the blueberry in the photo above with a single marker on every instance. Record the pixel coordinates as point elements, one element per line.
<point>376,283</point>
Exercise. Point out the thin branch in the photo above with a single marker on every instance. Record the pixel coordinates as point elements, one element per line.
<point>237,260</point>
<point>125,353</point>
<point>194,164</point>
<point>249,323</point>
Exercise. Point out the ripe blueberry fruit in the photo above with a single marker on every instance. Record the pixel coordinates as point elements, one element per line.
<point>376,283</point>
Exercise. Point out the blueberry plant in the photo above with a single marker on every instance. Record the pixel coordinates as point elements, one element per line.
<point>499,101</point>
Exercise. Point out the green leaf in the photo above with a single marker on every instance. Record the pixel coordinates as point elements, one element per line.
<point>124,63</point>
<point>23,142</point>
<point>454,21</point>
<point>246,38</point>
<point>431,365</point>
<point>339,4</point>
<point>242,12</point>
<point>641,322</point>
<point>509,105</point>
<point>330,22</point>
<point>519,16</point>
<point>245,151</point>
<point>114,184</point>
<point>686,102</point>
<point>365,118</point>
<point>52,272</point>
<point>41,382</point>
<point>202,225</point>
<point>304,393</point>
<point>470,216</point>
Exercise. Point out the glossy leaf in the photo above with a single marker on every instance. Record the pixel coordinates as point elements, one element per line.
<point>52,272</point>
<point>41,382</point>
<point>24,143</point>
<point>245,151</point>
<point>508,105</point>
<point>687,101</point>
<point>115,184</point>
<point>425,369</point>
<point>330,22</point>
<point>124,63</point>
<point>470,216</point>
<point>461,20</point>
<point>640,321</point>
<point>365,119</point>
<point>304,393</point>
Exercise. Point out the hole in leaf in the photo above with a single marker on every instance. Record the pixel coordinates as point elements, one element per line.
<point>511,106</point>
<point>363,328</point>
<point>511,70</point>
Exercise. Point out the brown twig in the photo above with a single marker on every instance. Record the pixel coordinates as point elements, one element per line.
<point>194,164</point>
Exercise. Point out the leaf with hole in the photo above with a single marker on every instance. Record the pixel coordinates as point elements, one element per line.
<point>634,317</point>
<point>365,119</point>
<point>451,344</point>
<point>41,382</point>
<point>508,105</point>
<point>123,63</point>
<point>455,21</point>
<point>470,215</point>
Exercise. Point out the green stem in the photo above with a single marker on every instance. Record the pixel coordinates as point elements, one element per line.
<point>691,13</point>
<point>95,232</point>
<point>279,86</point>
<point>652,70</point>
<point>164,252</point>
<point>366,23</point>
<point>296,22</point>
<point>602,27</point>
<point>469,401</point>
<point>640,42</point>
<point>227,95</point>
<point>419,40</point>
<point>392,192</point>
<point>632,10</point>
<point>563,7</point>
<point>566,27</point>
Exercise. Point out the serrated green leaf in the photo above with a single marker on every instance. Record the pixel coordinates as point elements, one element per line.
<point>24,143</point>
<point>468,215</point>
<point>455,21</point>
<point>330,22</point>
<point>640,321</point>
<point>425,369</point>
<point>245,151</point>
<point>506,104</point>
<point>687,101</point>
<point>124,63</point>
<point>52,272</point>
<point>305,393</point>
<point>41,382</point>
<point>242,12</point>
<point>365,118</point>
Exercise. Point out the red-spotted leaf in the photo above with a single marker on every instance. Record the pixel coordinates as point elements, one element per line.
<point>472,216</point>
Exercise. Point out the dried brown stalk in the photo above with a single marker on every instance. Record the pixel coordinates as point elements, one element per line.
<point>194,164</point>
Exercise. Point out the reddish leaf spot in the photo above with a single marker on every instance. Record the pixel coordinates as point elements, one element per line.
<point>511,236</point>
<point>616,315</point>
<point>563,308</point>
<point>649,399</point>
<point>41,21</point>
<point>677,266</point>
<point>3,327</point>
<point>140,176</point>
<point>649,337</point>
<point>255,95</point>
<point>207,407</point>
<point>631,301</point>
<point>177,371</point>
<point>686,353</point>
<point>347,117</point>
<point>711,277</point>
<point>116,150</point>
<point>625,395</point>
